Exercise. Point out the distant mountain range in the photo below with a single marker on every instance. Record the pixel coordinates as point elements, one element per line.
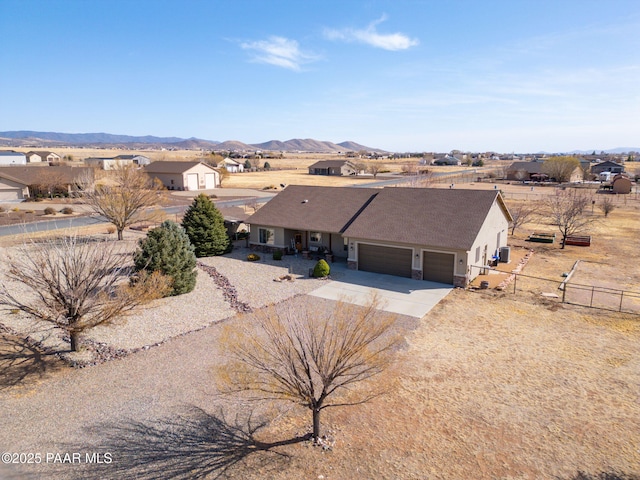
<point>26,138</point>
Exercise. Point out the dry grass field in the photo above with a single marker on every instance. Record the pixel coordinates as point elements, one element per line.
<point>495,385</point>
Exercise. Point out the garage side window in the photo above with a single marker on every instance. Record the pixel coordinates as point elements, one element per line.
<point>266,235</point>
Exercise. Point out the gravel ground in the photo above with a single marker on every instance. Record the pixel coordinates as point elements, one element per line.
<point>255,283</point>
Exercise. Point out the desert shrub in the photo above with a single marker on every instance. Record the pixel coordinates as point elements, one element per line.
<point>253,257</point>
<point>111,230</point>
<point>2,209</point>
<point>15,209</point>
<point>277,254</point>
<point>49,211</point>
<point>30,211</point>
<point>167,249</point>
<point>67,211</point>
<point>204,225</point>
<point>213,195</point>
<point>266,166</point>
<point>321,269</point>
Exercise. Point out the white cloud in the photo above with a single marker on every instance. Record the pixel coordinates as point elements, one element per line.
<point>370,36</point>
<point>278,51</point>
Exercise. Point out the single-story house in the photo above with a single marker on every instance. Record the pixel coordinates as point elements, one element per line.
<point>42,156</point>
<point>21,182</point>
<point>607,166</point>
<point>231,165</point>
<point>440,235</point>
<point>9,157</point>
<point>177,175</point>
<point>136,159</point>
<point>333,167</point>
<point>108,163</point>
<point>534,171</point>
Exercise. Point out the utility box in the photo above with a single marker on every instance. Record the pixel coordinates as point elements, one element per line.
<point>505,254</point>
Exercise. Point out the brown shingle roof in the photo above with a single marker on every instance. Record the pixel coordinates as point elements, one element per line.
<point>425,216</point>
<point>36,174</point>
<point>327,209</point>
<point>170,167</point>
<point>329,164</point>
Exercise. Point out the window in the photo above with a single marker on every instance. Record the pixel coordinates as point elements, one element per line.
<point>315,237</point>
<point>266,235</point>
<point>477,255</point>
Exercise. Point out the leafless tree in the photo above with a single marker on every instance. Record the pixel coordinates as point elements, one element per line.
<point>309,357</point>
<point>521,213</point>
<point>567,211</point>
<point>124,199</point>
<point>76,284</point>
<point>560,168</point>
<point>374,169</point>
<point>224,174</point>
<point>607,206</point>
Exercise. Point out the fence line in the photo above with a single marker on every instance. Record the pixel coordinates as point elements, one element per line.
<point>592,296</point>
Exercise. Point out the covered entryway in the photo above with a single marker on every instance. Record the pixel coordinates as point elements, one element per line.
<point>387,260</point>
<point>438,267</point>
<point>209,181</point>
<point>192,181</point>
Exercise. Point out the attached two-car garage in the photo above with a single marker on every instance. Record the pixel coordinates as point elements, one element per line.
<point>436,266</point>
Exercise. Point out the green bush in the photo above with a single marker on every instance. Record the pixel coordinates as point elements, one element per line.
<point>204,225</point>
<point>49,211</point>
<point>277,254</point>
<point>67,211</point>
<point>321,269</point>
<point>167,249</point>
<point>253,257</point>
<point>266,166</point>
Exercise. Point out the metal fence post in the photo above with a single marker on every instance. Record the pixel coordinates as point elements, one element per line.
<point>591,301</point>
<point>621,297</point>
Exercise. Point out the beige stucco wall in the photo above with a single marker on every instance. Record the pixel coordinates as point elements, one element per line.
<point>495,223</point>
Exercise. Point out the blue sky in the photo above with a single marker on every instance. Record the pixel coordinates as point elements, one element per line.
<point>519,75</point>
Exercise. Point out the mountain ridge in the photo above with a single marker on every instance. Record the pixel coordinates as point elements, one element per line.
<point>25,138</point>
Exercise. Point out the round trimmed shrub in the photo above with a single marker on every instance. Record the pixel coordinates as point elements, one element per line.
<point>253,257</point>
<point>321,269</point>
<point>67,211</point>
<point>49,211</point>
<point>277,254</point>
<point>167,249</point>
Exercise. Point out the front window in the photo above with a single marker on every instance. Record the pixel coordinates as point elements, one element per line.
<point>315,237</point>
<point>266,235</point>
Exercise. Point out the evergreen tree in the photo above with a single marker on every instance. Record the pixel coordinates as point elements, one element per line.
<point>167,249</point>
<point>204,224</point>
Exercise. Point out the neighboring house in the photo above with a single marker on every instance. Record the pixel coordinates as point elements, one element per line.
<point>42,156</point>
<point>184,175</point>
<point>108,163</point>
<point>432,234</point>
<point>43,180</point>
<point>9,157</point>
<point>534,171</point>
<point>231,165</point>
<point>447,160</point>
<point>333,167</point>
<point>607,166</point>
<point>136,159</point>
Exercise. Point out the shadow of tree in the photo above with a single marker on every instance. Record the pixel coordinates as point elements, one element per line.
<point>191,445</point>
<point>21,361</point>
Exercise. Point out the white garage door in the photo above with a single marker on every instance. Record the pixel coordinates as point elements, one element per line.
<point>192,181</point>
<point>9,195</point>
<point>209,180</point>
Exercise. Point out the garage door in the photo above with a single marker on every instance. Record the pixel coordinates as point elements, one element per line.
<point>387,260</point>
<point>438,267</point>
<point>7,195</point>
<point>209,180</point>
<point>192,181</point>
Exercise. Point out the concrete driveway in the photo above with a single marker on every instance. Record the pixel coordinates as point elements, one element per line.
<point>400,295</point>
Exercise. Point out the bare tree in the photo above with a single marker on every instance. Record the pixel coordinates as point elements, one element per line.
<point>311,358</point>
<point>567,211</point>
<point>224,174</point>
<point>521,214</point>
<point>76,284</point>
<point>374,169</point>
<point>125,198</point>
<point>607,206</point>
<point>560,168</point>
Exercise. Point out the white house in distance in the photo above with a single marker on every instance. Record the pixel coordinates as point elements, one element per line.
<point>231,165</point>
<point>109,163</point>
<point>9,157</point>
<point>42,156</point>
<point>184,175</point>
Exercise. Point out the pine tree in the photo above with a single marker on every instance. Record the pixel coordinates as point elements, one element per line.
<point>167,249</point>
<point>204,224</point>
